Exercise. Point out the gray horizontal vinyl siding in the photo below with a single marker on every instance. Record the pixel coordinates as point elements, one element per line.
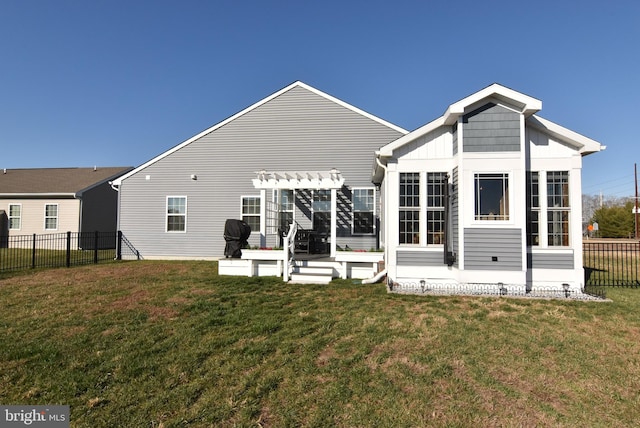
<point>482,245</point>
<point>419,258</point>
<point>298,130</point>
<point>549,261</point>
<point>491,128</point>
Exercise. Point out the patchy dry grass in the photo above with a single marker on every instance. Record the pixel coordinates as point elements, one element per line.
<point>174,344</point>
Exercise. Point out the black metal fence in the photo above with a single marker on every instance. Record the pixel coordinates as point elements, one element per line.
<point>19,252</point>
<point>611,263</point>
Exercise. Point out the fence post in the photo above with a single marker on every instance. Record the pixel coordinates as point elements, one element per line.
<point>95,248</point>
<point>69,249</point>
<point>33,252</point>
<point>119,246</point>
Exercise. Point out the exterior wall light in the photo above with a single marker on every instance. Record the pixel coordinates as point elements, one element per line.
<point>503,289</point>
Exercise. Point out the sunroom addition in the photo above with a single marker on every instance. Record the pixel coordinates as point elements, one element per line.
<point>330,181</point>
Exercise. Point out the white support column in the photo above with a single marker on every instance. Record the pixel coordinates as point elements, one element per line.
<point>263,217</point>
<point>334,220</point>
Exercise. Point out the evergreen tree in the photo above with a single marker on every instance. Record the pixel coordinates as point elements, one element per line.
<point>615,221</point>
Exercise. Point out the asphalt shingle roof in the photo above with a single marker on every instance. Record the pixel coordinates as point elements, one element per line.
<point>55,180</point>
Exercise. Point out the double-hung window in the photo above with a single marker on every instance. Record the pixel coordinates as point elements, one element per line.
<point>15,216</point>
<point>251,212</point>
<point>491,196</point>
<point>176,214</point>
<point>533,208</point>
<point>363,211</point>
<point>558,208</point>
<point>409,210</point>
<point>435,207</point>
<point>51,217</point>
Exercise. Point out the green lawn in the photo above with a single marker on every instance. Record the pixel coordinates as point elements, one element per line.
<point>172,344</point>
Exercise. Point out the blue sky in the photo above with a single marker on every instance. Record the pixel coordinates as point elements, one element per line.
<point>115,83</point>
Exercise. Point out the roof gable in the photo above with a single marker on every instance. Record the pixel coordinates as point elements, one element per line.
<point>516,100</point>
<point>55,181</point>
<point>249,109</point>
<point>582,144</point>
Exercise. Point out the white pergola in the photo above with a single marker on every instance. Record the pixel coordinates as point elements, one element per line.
<point>294,180</point>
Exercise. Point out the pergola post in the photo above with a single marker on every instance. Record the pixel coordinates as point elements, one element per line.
<point>334,220</point>
<point>263,217</point>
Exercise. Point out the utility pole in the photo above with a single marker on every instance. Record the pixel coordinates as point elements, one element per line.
<point>635,174</point>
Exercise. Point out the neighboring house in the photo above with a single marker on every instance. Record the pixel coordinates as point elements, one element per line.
<point>488,193</point>
<point>54,200</point>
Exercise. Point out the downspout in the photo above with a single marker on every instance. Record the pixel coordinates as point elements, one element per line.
<point>79,197</point>
<point>449,258</point>
<point>382,273</point>
<point>384,168</point>
<point>377,277</point>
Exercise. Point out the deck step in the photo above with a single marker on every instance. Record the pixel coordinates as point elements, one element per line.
<point>298,278</point>
<point>312,274</point>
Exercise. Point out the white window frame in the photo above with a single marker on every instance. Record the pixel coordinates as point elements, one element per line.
<point>506,192</point>
<point>257,215</point>
<point>434,208</point>
<point>13,217</point>
<point>415,209</point>
<point>534,240</point>
<point>48,217</point>
<point>167,214</point>
<point>553,211</point>
<point>372,210</point>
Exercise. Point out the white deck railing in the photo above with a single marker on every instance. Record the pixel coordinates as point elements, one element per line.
<point>289,249</point>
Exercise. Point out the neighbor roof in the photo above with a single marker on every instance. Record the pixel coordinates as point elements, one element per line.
<point>69,182</point>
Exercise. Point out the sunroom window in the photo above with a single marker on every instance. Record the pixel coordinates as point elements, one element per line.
<point>491,196</point>
<point>558,208</point>
<point>409,212</point>
<point>435,207</point>
<point>533,208</point>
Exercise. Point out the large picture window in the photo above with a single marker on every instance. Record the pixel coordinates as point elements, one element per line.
<point>558,208</point>
<point>51,217</point>
<point>409,212</point>
<point>491,196</point>
<point>15,216</point>
<point>363,211</point>
<point>176,214</point>
<point>251,212</point>
<point>435,207</point>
